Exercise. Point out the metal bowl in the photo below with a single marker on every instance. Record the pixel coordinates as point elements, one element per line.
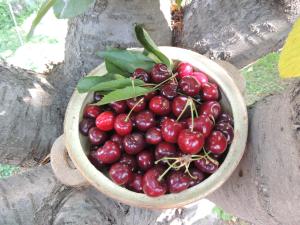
<point>232,101</point>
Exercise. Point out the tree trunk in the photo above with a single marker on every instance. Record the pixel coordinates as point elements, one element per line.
<point>33,105</point>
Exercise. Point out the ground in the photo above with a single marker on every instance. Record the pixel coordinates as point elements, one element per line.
<point>47,47</point>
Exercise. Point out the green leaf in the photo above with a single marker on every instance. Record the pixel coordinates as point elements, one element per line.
<point>40,14</point>
<point>124,93</point>
<point>112,68</point>
<point>116,84</point>
<point>86,83</point>
<point>70,8</point>
<point>127,60</point>
<point>150,46</point>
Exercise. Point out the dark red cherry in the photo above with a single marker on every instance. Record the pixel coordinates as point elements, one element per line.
<point>165,149</point>
<point>133,143</point>
<point>207,165</point>
<point>145,120</point>
<point>189,86</point>
<point>160,106</point>
<point>145,159</point>
<point>190,142</point>
<point>211,108</point>
<point>216,142</point>
<point>136,183</point>
<point>178,105</point>
<point>169,90</point>
<point>139,104</point>
<point>178,181</point>
<point>118,140</point>
<point>130,161</point>
<point>97,136</point>
<point>85,125</point>
<point>225,117</point>
<point>119,107</point>
<point>159,73</point>
<point>170,130</point>
<point>226,129</point>
<point>151,185</point>
<point>198,176</point>
<point>91,111</point>
<point>105,121</point>
<point>150,95</point>
<point>94,147</point>
<point>141,74</point>
<point>109,152</point>
<point>153,136</point>
<point>93,157</point>
<point>203,124</point>
<point>201,77</point>
<point>184,69</point>
<point>97,96</point>
<point>210,92</point>
<point>120,174</point>
<point>123,125</point>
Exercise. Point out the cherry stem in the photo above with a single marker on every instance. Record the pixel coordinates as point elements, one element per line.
<point>187,104</point>
<point>133,86</point>
<point>161,83</point>
<point>166,171</point>
<point>138,102</point>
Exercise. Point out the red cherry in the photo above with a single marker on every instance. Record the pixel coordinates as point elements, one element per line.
<point>216,142</point>
<point>153,136</point>
<point>165,149</point>
<point>141,74</point>
<point>159,73</point>
<point>122,126</point>
<point>210,92</point>
<point>178,105</point>
<point>150,95</point>
<point>170,130</point>
<point>109,152</point>
<point>189,86</point>
<point>145,159</point>
<point>119,107</point>
<point>145,120</point>
<point>133,143</point>
<point>169,90</point>
<point>105,121</point>
<point>203,124</point>
<point>138,103</point>
<point>130,161</point>
<point>91,111</point>
<point>190,142</point>
<point>85,125</point>
<point>226,129</point>
<point>178,181</point>
<point>207,165</point>
<point>93,157</point>
<point>184,69</point>
<point>136,183</point>
<point>201,77</point>
<point>225,117</point>
<point>96,136</point>
<point>211,108</point>
<point>198,176</point>
<point>160,105</point>
<point>120,173</point>
<point>151,185</point>
<point>118,140</point>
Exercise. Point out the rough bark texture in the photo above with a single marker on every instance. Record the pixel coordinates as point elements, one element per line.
<point>31,115</point>
<point>238,30</point>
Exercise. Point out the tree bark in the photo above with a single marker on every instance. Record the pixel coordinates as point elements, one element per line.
<point>239,31</point>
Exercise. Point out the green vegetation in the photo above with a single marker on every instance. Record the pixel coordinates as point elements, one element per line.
<point>221,214</point>
<point>262,78</point>
<point>7,170</point>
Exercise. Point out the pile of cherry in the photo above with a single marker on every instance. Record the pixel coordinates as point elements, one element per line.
<point>164,142</point>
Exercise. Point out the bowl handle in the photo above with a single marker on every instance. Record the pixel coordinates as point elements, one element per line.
<point>63,167</point>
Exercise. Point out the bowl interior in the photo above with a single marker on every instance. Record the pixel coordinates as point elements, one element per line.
<point>232,102</point>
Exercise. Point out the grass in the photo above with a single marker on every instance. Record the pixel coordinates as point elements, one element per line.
<point>262,78</point>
